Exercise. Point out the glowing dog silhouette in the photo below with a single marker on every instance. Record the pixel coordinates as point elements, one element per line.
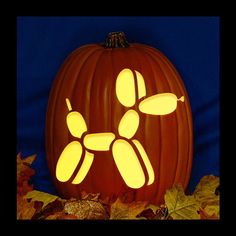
<point>124,148</point>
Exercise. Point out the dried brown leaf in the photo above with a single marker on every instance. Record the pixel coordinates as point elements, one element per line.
<point>120,210</point>
<point>147,214</point>
<point>25,210</point>
<point>85,209</point>
<point>24,172</point>
<point>50,209</point>
<point>162,213</point>
<point>61,216</point>
<point>23,166</point>
<point>205,216</point>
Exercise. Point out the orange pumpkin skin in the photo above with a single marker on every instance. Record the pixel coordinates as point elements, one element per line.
<point>87,78</point>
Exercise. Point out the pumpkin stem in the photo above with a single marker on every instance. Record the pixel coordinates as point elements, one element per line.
<point>116,40</point>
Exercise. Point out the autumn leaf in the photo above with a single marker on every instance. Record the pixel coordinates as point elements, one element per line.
<point>23,188</point>
<point>213,209</point>
<point>61,216</point>
<point>25,210</point>
<point>23,166</point>
<point>162,213</point>
<point>46,198</point>
<point>205,194</point>
<point>120,210</point>
<point>24,172</point>
<point>33,204</point>
<point>181,206</point>
<point>85,209</point>
<point>38,206</point>
<point>50,209</point>
<point>205,216</point>
<point>28,160</point>
<point>153,207</point>
<point>154,212</point>
<point>206,188</point>
<point>147,214</point>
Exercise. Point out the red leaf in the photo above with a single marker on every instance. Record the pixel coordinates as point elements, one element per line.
<point>24,172</point>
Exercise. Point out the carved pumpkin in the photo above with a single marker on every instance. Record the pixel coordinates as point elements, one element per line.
<point>118,123</point>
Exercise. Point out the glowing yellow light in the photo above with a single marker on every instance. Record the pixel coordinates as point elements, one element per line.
<point>76,124</point>
<point>181,99</point>
<point>129,124</point>
<point>99,141</point>
<point>128,164</point>
<point>125,88</point>
<point>147,163</point>
<point>124,155</point>
<point>141,85</point>
<point>84,169</point>
<point>68,161</point>
<point>160,104</point>
<point>68,104</point>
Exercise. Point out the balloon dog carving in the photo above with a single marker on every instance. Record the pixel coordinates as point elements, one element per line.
<point>125,149</point>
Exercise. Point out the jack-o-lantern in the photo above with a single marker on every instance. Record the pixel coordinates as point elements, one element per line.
<point>118,122</point>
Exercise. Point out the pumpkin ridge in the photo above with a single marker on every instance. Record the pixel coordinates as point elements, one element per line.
<point>92,78</point>
<point>181,171</point>
<point>72,61</point>
<point>177,157</point>
<point>180,85</point>
<point>77,75</point>
<point>52,104</point>
<point>150,63</point>
<point>138,194</point>
<point>154,62</point>
<point>112,87</point>
<point>116,176</point>
<point>49,117</point>
<point>166,76</point>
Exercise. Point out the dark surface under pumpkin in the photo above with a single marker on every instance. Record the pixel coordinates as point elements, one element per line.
<point>87,78</point>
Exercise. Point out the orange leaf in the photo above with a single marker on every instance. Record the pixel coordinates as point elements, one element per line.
<point>61,216</point>
<point>28,160</point>
<point>24,172</point>
<point>25,210</point>
<point>120,210</point>
<point>205,216</point>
